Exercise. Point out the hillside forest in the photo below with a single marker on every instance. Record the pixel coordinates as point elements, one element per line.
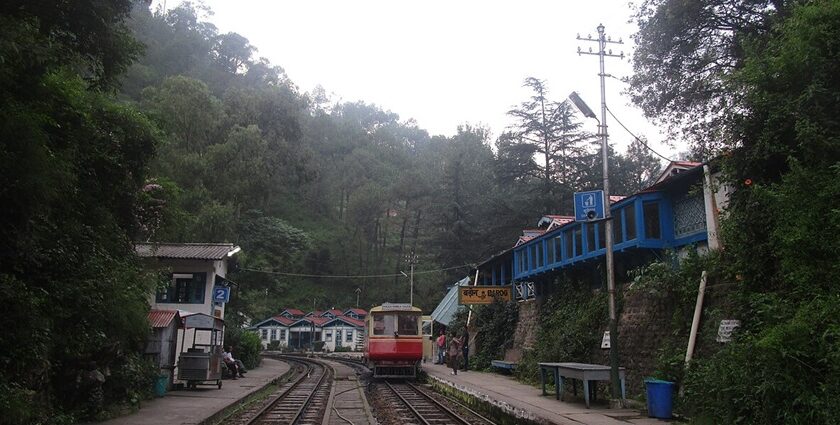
<point>307,186</point>
<point>121,124</point>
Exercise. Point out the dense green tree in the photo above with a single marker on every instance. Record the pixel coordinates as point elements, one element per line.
<point>73,164</point>
<point>686,54</point>
<point>546,144</point>
<point>766,78</point>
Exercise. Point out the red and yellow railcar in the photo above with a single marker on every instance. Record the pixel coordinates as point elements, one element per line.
<point>394,343</point>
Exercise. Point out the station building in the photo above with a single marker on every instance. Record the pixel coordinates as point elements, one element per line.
<point>193,270</point>
<point>295,330</point>
<point>679,212</point>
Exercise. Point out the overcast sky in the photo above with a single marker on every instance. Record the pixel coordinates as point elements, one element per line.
<point>444,63</point>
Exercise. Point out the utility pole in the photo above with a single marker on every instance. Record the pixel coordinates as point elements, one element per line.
<point>312,327</point>
<point>412,261</point>
<point>358,291</point>
<point>602,52</point>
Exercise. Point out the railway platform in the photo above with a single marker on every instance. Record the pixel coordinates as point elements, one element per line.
<point>192,407</point>
<point>527,402</point>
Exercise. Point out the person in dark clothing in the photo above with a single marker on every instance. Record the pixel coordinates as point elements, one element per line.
<point>465,338</point>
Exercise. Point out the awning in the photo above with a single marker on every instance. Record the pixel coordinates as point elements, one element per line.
<point>445,311</point>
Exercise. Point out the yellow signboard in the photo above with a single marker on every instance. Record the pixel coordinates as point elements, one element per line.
<point>483,294</point>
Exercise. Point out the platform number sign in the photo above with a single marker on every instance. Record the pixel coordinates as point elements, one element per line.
<point>221,294</point>
<point>589,206</point>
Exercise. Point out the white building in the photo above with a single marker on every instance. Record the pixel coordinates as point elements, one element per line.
<point>293,329</point>
<point>345,332</point>
<point>196,268</point>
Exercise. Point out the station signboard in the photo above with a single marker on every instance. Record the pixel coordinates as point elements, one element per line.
<point>221,294</point>
<point>483,294</point>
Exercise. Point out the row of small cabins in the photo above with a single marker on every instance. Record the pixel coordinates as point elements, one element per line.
<point>294,329</point>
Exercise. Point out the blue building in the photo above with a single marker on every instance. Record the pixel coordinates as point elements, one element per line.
<point>678,212</point>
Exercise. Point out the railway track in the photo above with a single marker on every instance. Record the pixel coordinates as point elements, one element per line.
<point>302,402</point>
<point>414,406</point>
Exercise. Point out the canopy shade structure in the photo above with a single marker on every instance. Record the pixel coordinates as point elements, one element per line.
<point>445,311</point>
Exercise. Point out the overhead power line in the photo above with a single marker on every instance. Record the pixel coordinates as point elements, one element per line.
<point>637,138</point>
<point>371,276</point>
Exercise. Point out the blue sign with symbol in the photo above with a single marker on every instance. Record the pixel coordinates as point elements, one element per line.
<point>589,206</point>
<point>221,294</point>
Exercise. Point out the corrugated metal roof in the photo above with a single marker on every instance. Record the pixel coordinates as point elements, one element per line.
<point>162,318</point>
<point>186,251</point>
<point>445,311</point>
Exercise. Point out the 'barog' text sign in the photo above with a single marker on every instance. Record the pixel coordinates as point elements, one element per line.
<point>483,294</point>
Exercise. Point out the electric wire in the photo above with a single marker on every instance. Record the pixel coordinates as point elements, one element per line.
<point>371,276</point>
<point>637,137</point>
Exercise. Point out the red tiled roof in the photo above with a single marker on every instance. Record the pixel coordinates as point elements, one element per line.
<point>284,320</point>
<point>523,239</point>
<point>352,321</point>
<point>532,232</point>
<point>190,251</point>
<point>334,311</point>
<point>616,198</point>
<point>318,321</point>
<point>162,318</point>
<point>359,311</point>
<point>294,312</point>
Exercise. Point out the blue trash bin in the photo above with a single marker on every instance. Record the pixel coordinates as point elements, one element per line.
<point>161,383</point>
<point>660,398</point>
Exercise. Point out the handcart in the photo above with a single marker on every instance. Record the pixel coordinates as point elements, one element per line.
<point>201,363</point>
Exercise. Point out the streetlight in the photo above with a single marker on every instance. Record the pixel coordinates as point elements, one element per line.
<point>602,131</point>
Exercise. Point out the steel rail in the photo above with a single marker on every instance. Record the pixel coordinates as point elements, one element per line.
<point>434,402</point>
<point>305,404</point>
<point>305,375</point>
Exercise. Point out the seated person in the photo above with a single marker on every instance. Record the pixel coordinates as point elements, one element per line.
<point>234,365</point>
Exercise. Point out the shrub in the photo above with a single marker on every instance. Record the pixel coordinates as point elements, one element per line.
<point>495,326</point>
<point>788,373</point>
<point>571,323</point>
<point>249,348</point>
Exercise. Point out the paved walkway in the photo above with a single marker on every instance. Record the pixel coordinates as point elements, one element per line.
<point>189,407</point>
<point>528,402</point>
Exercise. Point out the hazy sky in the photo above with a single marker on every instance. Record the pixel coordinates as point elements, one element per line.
<point>444,63</point>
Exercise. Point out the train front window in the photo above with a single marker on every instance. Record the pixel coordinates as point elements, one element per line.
<point>408,324</point>
<point>383,324</point>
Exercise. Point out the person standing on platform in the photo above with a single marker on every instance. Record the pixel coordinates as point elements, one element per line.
<point>466,348</point>
<point>454,354</point>
<point>441,346</point>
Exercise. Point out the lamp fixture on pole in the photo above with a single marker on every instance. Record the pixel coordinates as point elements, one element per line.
<point>412,261</point>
